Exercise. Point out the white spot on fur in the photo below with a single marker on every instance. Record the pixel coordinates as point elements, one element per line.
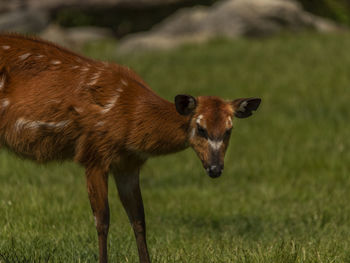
<point>193,133</point>
<point>56,62</point>
<point>2,82</point>
<point>75,67</point>
<point>5,103</point>
<point>110,104</point>
<point>23,123</point>
<point>20,123</point>
<point>78,109</point>
<point>5,47</point>
<point>100,123</point>
<point>24,56</point>
<point>84,69</point>
<point>199,118</point>
<point>242,106</point>
<point>94,78</point>
<point>229,122</point>
<point>124,82</point>
<point>215,145</point>
<point>39,56</point>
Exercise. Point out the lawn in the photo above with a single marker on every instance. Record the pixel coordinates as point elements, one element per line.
<point>284,194</point>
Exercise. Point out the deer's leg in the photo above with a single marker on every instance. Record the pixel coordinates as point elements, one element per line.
<point>97,185</point>
<point>130,196</point>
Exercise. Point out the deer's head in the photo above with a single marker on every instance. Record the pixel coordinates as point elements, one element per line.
<point>211,125</point>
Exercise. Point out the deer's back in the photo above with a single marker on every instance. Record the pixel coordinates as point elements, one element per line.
<point>53,101</point>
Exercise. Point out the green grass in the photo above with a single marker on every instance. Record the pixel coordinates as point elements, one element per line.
<point>284,195</point>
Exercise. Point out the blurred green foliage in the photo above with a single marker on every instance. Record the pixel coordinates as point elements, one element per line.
<point>127,20</point>
<point>122,20</point>
<point>338,10</point>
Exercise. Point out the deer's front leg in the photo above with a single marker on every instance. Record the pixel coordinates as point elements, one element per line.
<point>130,196</point>
<point>97,185</point>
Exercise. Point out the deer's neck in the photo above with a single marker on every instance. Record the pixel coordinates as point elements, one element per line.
<point>160,129</point>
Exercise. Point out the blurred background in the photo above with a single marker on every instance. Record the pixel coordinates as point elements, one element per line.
<point>284,194</point>
<point>153,24</point>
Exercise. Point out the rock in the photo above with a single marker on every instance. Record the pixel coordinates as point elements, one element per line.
<point>57,4</point>
<point>230,18</point>
<point>10,5</point>
<point>24,21</point>
<point>58,35</point>
<point>81,35</point>
<point>74,37</point>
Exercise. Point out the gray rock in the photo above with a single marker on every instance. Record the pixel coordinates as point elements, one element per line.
<point>58,35</point>
<point>230,18</point>
<point>24,21</point>
<point>7,5</point>
<point>74,37</point>
<point>81,35</point>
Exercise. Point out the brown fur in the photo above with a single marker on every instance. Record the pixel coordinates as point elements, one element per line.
<point>56,105</point>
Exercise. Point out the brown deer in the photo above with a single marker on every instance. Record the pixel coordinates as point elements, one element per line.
<point>57,105</point>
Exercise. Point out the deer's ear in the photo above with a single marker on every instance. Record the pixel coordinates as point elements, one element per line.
<point>185,104</point>
<point>243,107</point>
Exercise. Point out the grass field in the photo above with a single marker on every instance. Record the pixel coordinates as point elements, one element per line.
<point>284,195</point>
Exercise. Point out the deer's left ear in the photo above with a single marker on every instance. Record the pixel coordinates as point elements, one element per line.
<point>185,104</point>
<point>243,107</point>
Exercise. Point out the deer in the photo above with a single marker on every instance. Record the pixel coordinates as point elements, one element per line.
<point>57,105</point>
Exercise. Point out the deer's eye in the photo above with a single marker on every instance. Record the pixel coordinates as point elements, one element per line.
<point>202,132</point>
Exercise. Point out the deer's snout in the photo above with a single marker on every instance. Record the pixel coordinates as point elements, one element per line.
<point>215,171</point>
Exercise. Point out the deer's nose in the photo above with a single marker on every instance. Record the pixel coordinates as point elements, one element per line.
<point>215,171</point>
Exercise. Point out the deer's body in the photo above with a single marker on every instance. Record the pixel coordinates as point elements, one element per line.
<point>56,105</point>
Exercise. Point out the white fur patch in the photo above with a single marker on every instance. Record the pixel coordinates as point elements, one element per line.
<point>20,123</point>
<point>110,104</point>
<point>199,118</point>
<point>100,123</point>
<point>2,82</point>
<point>78,109</point>
<point>84,69</point>
<point>56,62</point>
<point>24,56</point>
<point>124,82</point>
<point>5,47</point>
<point>23,123</point>
<point>5,103</point>
<point>193,133</point>
<point>215,145</point>
<point>94,78</point>
<point>75,67</point>
<point>200,122</point>
<point>229,122</point>
<point>39,56</point>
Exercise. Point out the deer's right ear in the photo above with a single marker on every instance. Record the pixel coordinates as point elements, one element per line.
<point>245,106</point>
<point>185,104</point>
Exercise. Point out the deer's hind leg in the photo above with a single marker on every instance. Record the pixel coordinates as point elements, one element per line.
<point>97,185</point>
